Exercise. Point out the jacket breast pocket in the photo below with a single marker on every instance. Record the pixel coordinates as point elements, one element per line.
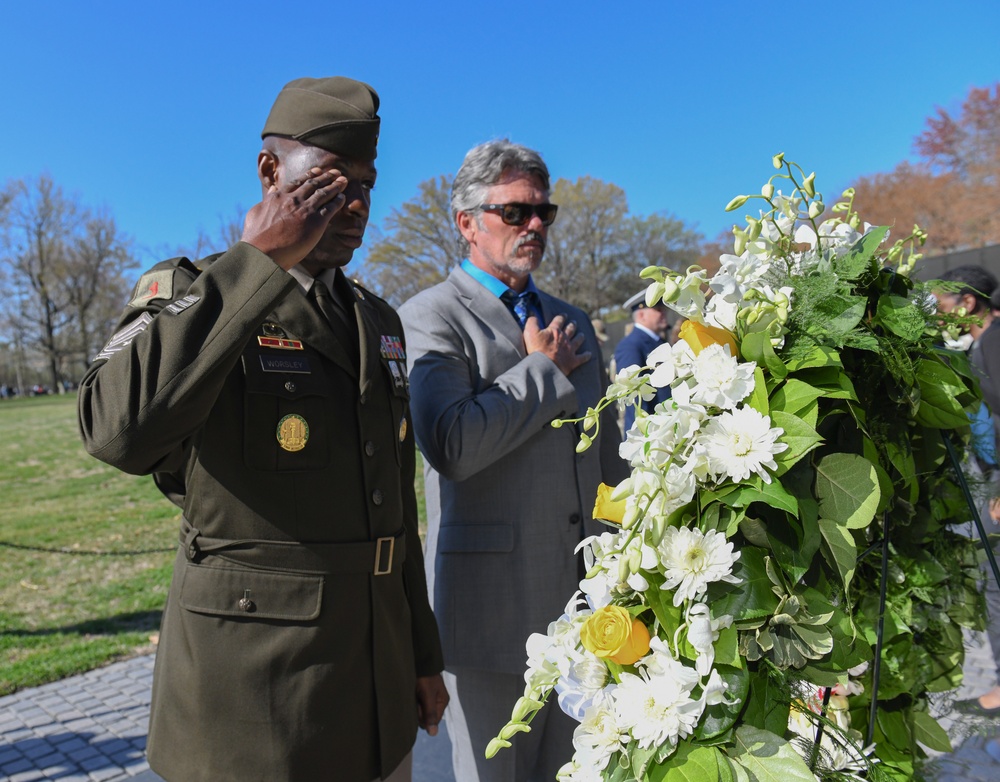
<point>286,425</point>
<point>251,594</point>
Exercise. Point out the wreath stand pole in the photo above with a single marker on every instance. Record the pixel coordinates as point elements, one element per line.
<point>880,632</point>
<point>877,663</point>
<point>972,505</point>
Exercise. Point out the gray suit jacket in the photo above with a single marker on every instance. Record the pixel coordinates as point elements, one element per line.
<point>507,495</point>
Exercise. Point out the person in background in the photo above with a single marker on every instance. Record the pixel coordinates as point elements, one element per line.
<point>494,361</point>
<point>651,326</point>
<point>266,394</point>
<point>979,286</point>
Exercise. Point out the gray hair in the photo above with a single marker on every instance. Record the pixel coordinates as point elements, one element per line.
<point>483,167</point>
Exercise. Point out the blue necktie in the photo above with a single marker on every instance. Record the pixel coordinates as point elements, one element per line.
<point>522,305</point>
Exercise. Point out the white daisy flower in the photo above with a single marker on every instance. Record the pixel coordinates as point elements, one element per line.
<point>658,709</point>
<point>739,443</point>
<point>598,737</point>
<point>692,560</point>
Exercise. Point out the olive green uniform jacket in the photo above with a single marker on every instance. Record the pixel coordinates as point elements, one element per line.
<point>283,654</point>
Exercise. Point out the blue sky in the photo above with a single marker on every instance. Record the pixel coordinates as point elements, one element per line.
<point>155,110</point>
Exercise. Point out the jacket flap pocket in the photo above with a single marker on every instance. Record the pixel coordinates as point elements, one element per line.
<point>250,593</point>
<point>476,537</point>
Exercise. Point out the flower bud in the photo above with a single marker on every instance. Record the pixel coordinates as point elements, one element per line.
<point>815,209</point>
<point>514,728</point>
<point>495,746</point>
<point>655,292</point>
<point>755,228</point>
<point>740,243</point>
<point>809,185</point>
<point>590,420</point>
<point>778,160</point>
<point>557,424</point>
<point>849,193</point>
<point>670,290</point>
<point>585,442</point>
<point>525,707</point>
<point>736,203</point>
<point>767,191</point>
<point>651,272</point>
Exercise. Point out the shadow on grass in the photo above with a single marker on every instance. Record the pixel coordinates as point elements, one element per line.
<point>137,621</point>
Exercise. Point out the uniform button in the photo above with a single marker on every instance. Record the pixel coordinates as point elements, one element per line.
<point>574,518</point>
<point>290,387</point>
<point>370,448</point>
<point>377,496</point>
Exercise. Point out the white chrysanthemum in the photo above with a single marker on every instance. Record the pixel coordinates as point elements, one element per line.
<point>658,709</point>
<point>740,443</point>
<point>692,560</point>
<point>598,736</point>
<point>719,379</point>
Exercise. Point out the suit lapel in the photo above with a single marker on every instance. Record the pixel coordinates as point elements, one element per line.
<point>304,321</point>
<point>488,308</point>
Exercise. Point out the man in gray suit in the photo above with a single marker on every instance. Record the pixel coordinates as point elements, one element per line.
<point>493,361</point>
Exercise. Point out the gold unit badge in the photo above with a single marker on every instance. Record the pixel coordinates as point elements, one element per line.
<point>293,432</point>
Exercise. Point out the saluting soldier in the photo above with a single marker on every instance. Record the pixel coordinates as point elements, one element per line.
<point>267,395</point>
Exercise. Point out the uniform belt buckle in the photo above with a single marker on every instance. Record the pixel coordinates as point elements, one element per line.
<point>379,570</point>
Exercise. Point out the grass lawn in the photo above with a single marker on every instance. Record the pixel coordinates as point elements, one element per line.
<point>85,551</point>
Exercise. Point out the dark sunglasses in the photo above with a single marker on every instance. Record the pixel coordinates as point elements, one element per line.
<point>519,214</point>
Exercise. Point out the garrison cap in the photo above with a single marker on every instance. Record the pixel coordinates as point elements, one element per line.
<point>335,113</point>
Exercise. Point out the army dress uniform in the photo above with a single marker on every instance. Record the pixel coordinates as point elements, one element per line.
<point>297,617</point>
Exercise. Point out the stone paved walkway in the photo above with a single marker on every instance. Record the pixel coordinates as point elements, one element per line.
<point>92,728</point>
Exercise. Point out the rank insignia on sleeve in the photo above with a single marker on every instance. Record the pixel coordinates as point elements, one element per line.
<point>177,307</point>
<point>124,337</point>
<point>392,347</point>
<point>280,342</point>
<point>153,285</point>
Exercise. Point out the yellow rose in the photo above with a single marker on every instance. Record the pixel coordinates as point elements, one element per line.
<point>699,337</point>
<point>607,509</point>
<point>613,633</point>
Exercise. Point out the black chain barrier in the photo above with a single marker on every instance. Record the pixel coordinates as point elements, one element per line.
<point>86,553</point>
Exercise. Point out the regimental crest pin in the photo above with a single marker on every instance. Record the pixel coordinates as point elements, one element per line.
<point>293,432</point>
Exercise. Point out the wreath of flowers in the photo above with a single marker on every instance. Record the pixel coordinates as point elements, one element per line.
<point>781,549</point>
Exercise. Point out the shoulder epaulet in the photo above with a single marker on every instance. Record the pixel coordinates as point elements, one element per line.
<point>167,279</point>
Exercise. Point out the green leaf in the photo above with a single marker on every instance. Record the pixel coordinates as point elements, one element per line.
<point>901,316</point>
<point>753,598</point>
<point>773,493</point>
<point>840,548</point>
<point>939,385</point>
<point>758,399</point>
<point>693,763</point>
<point>847,489</point>
<point>794,395</point>
<point>860,259</point>
<point>800,437</point>
<point>769,758</point>
<point>818,356</point>
<point>757,347</point>
<point>929,732</point>
<point>841,314</point>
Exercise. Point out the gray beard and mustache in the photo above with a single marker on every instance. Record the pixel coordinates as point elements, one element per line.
<point>522,264</point>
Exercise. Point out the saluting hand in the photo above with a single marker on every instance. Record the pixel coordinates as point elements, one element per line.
<point>290,220</point>
<point>432,698</point>
<point>559,342</point>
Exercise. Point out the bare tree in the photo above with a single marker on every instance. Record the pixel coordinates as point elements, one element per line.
<point>95,283</point>
<point>38,230</point>
<point>416,246</point>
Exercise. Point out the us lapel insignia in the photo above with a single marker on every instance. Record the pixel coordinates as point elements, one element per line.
<point>293,432</point>
<point>273,330</point>
<point>402,429</point>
